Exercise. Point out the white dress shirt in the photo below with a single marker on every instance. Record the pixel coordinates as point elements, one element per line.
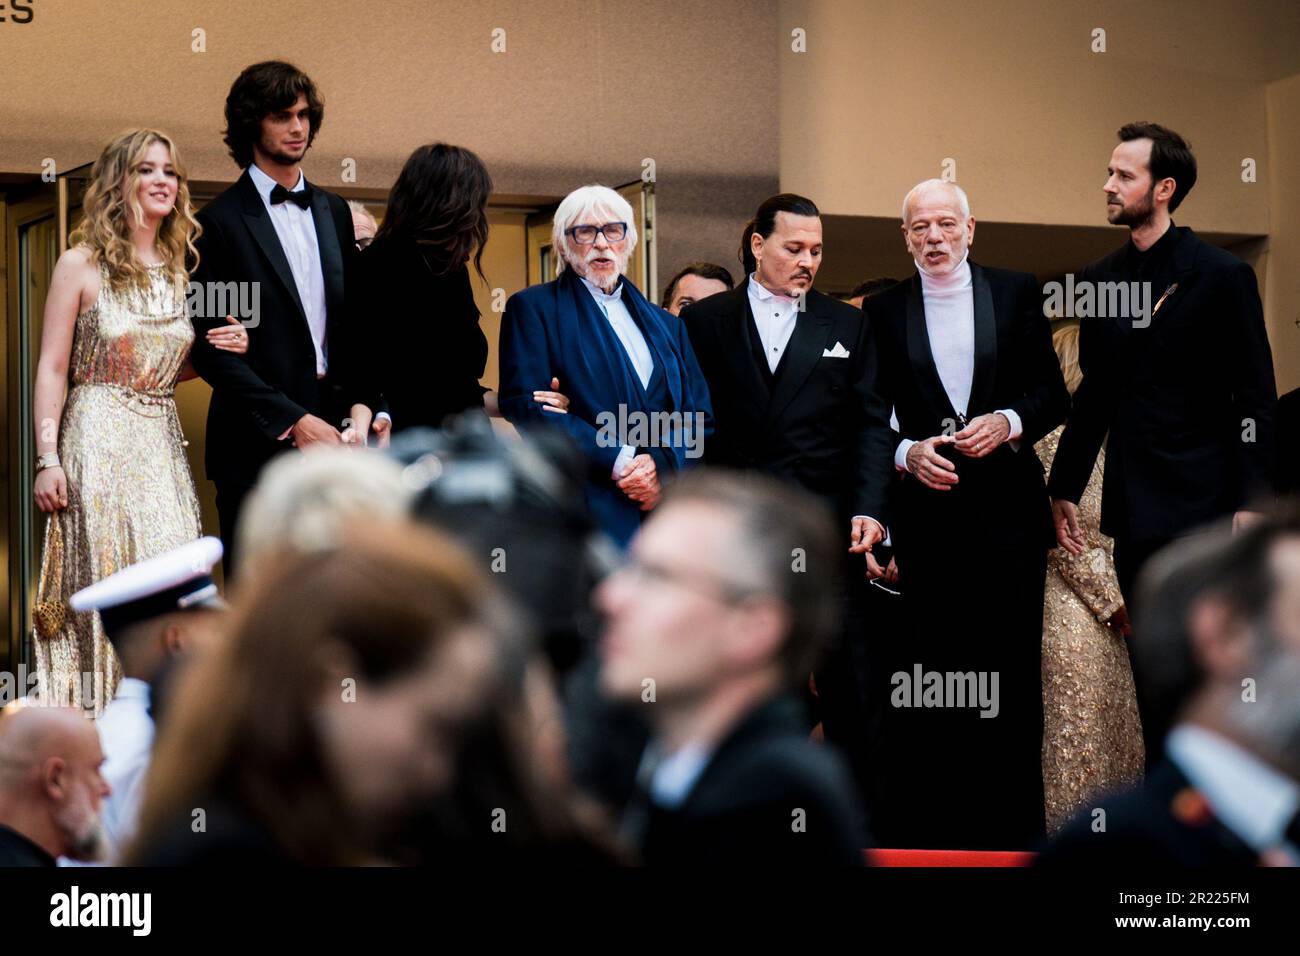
<point>1252,799</point>
<point>634,344</point>
<point>774,316</point>
<point>126,733</point>
<point>296,230</point>
<point>297,233</point>
<point>949,302</point>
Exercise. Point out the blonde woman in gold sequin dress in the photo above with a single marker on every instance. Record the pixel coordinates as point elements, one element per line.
<point>112,473</point>
<point>1092,737</point>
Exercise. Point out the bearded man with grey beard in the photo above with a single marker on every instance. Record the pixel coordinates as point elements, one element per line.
<point>51,788</point>
<point>639,407</point>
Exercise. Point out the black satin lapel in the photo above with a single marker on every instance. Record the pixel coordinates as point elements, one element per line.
<point>811,336</point>
<point>263,230</point>
<point>922,359</point>
<point>735,346</point>
<point>331,257</point>
<point>986,345</point>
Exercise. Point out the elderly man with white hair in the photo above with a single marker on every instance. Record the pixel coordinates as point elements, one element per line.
<point>638,403</point>
<point>964,358</point>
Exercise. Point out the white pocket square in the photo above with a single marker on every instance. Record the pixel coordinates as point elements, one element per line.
<point>838,352</point>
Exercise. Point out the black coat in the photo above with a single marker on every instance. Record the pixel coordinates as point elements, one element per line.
<point>1288,442</point>
<point>742,809</point>
<point>17,850</point>
<point>256,397</point>
<point>1162,823</point>
<point>1174,397</point>
<point>1001,495</point>
<point>420,335</point>
<point>807,426</point>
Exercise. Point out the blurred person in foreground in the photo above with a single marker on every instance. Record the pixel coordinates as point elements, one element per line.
<point>1219,663</point>
<point>332,712</point>
<point>521,762</point>
<point>303,501</point>
<point>155,613</point>
<point>726,600</point>
<point>51,787</point>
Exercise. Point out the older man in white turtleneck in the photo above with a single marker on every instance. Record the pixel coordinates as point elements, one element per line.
<point>964,358</point>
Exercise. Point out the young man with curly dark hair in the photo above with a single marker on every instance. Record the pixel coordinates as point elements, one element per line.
<point>286,247</point>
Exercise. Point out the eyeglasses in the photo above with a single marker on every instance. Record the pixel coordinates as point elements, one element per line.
<point>727,592</point>
<point>586,235</point>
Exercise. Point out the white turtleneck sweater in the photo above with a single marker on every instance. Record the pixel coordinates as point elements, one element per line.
<point>949,301</point>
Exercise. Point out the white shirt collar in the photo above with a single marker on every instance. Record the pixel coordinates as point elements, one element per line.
<point>675,776</point>
<point>761,292</point>
<point>600,294</point>
<point>265,183</point>
<point>955,281</point>
<point>1252,799</point>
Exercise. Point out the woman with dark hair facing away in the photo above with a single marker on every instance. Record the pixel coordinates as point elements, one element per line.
<point>420,335</point>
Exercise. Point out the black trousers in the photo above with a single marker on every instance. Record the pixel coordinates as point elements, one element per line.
<point>840,702</point>
<point>230,503</point>
<point>960,762</point>
<point>1130,558</point>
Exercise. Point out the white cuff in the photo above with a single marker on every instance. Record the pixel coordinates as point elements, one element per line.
<point>625,455</point>
<point>384,415</point>
<point>900,455</point>
<point>1016,428</point>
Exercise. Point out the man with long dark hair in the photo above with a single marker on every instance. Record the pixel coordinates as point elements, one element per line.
<point>787,369</point>
<point>288,247</point>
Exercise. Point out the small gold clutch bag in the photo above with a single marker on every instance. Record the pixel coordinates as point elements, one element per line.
<point>49,617</point>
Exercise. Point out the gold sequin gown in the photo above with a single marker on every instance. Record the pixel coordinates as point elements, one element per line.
<point>1092,737</point>
<point>130,492</point>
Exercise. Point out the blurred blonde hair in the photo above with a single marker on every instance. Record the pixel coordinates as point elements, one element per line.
<point>302,502</point>
<point>1066,342</point>
<point>111,206</point>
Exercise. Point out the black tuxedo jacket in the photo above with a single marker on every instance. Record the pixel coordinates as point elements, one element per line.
<point>807,425</point>
<point>1001,495</point>
<point>1288,443</point>
<point>742,808</point>
<point>257,396</point>
<point>1174,397</point>
<point>1162,823</point>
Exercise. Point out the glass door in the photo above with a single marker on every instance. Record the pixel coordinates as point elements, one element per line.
<point>32,242</point>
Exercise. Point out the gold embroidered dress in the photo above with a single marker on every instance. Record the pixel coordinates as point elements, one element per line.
<point>130,492</point>
<point>1092,737</point>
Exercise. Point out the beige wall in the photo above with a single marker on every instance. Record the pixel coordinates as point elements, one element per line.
<point>584,92</point>
<point>1011,91</point>
<point>1282,295</point>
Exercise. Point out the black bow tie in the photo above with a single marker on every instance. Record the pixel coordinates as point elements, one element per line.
<point>302,198</point>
